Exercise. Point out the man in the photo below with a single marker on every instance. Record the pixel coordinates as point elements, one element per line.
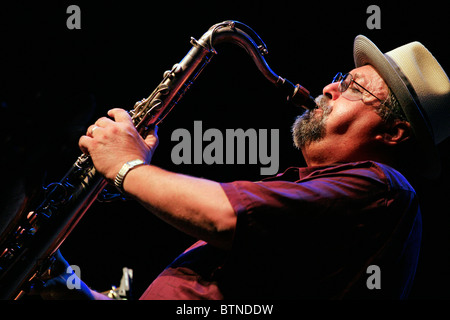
<point>314,232</point>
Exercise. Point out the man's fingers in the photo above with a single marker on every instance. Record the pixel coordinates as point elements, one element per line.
<point>153,131</point>
<point>90,130</point>
<point>103,122</point>
<point>152,138</point>
<point>119,115</point>
<point>83,143</point>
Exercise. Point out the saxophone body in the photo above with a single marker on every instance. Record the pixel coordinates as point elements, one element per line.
<point>27,245</point>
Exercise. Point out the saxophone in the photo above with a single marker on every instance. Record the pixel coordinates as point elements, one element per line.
<point>28,244</point>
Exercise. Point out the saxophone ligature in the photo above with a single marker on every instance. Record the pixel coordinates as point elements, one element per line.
<point>27,246</point>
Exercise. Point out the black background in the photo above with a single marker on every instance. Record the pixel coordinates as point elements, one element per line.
<point>55,82</point>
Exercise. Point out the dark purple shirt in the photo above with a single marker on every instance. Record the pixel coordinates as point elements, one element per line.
<point>308,233</point>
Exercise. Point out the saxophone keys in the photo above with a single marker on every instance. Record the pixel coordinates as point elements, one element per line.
<point>163,89</point>
<point>168,74</point>
<point>176,69</point>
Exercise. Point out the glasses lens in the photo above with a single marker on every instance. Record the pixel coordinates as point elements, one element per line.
<point>345,82</point>
<point>353,93</point>
<point>348,92</point>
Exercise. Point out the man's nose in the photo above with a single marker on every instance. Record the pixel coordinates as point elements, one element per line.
<point>332,91</point>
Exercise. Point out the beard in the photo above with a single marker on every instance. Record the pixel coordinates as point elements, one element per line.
<point>309,127</point>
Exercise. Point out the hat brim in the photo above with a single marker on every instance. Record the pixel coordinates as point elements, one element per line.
<point>366,52</point>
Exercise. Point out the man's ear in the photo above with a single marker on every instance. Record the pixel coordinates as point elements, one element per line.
<point>396,133</point>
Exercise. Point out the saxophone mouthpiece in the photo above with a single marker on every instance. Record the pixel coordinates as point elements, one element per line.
<point>302,98</point>
<point>298,95</point>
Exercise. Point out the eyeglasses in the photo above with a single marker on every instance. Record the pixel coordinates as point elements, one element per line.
<point>353,94</point>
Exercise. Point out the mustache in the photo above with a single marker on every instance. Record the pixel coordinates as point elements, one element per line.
<point>308,127</point>
<point>322,102</point>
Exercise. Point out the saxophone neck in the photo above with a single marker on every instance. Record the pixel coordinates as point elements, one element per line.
<point>244,36</point>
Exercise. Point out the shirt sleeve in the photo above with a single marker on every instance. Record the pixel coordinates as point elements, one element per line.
<point>327,194</point>
<point>325,221</point>
<point>327,206</point>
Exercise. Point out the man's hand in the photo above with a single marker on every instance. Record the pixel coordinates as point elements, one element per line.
<point>113,142</point>
<point>55,283</point>
<point>198,207</point>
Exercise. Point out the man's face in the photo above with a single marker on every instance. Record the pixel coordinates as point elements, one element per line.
<point>344,127</point>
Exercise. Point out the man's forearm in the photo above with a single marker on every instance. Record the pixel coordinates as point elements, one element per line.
<point>198,207</point>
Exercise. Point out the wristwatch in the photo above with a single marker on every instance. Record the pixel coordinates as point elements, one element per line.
<point>118,181</point>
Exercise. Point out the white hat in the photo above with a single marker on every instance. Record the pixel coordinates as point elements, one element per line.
<point>421,87</point>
